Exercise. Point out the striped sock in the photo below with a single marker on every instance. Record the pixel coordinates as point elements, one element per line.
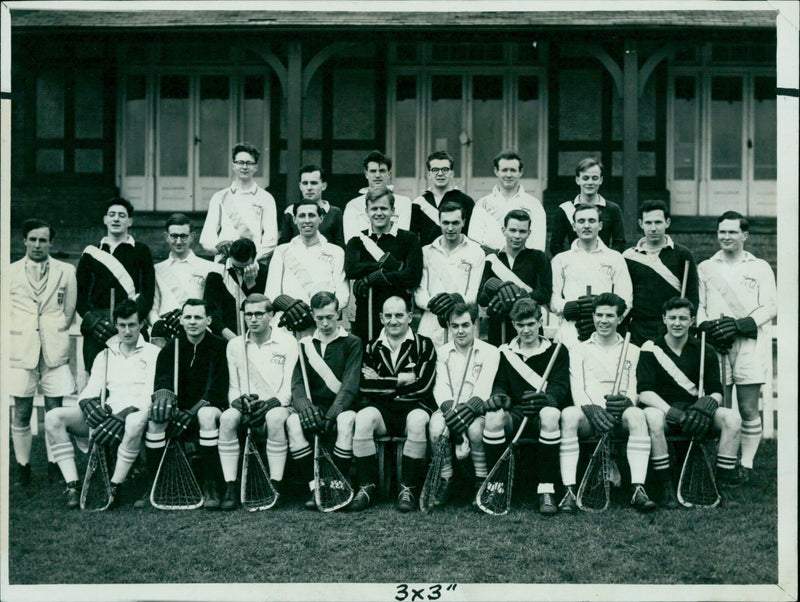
<point>342,458</point>
<point>209,454</point>
<point>229,458</point>
<point>725,468</point>
<point>638,453</point>
<point>547,450</point>
<point>303,456</point>
<point>21,436</point>
<point>479,462</point>
<point>276,458</point>
<point>64,455</point>
<point>494,443</point>
<point>751,437</point>
<point>209,438</point>
<point>569,453</point>
<point>154,444</point>
<point>661,469</point>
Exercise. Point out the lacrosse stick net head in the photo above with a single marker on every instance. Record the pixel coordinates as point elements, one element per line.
<point>96,489</point>
<point>257,491</point>
<point>432,488</point>
<point>697,486</point>
<point>594,493</point>
<point>494,495</point>
<point>175,486</point>
<point>332,490</point>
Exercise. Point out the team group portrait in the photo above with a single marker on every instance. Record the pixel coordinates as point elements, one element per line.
<point>434,304</point>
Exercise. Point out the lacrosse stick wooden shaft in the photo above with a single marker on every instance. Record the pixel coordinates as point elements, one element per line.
<point>700,384</point>
<point>175,367</point>
<point>369,315</point>
<point>244,348</point>
<point>105,368</point>
<point>304,371</point>
<point>621,365</point>
<point>545,376</point>
<point>685,280</point>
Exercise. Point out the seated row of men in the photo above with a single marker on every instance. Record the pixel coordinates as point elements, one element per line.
<point>399,385</point>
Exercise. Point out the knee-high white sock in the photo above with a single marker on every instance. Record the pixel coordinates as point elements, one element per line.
<point>229,458</point>
<point>47,450</point>
<point>276,458</point>
<point>638,453</point>
<point>364,447</point>
<point>22,439</point>
<point>411,449</point>
<point>125,459</point>
<point>751,438</point>
<point>568,455</point>
<point>64,455</point>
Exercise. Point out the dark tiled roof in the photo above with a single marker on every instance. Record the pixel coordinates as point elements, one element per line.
<point>238,19</point>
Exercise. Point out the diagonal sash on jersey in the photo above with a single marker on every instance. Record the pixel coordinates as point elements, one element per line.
<point>503,272</point>
<point>230,283</point>
<point>683,381</point>
<point>371,247</point>
<point>569,209</point>
<point>265,372</point>
<point>116,268</point>
<point>654,263</point>
<point>728,295</point>
<point>166,281</point>
<point>322,369</point>
<point>228,209</point>
<point>428,209</point>
<point>441,273</point>
<point>294,266</point>
<point>523,369</point>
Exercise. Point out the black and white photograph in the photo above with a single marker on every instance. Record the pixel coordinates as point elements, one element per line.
<point>398,300</point>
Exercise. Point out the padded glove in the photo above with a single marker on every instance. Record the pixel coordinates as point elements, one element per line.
<point>311,419</point>
<point>96,324</point>
<point>509,292</point>
<point>182,419</point>
<point>361,287</point>
<point>112,429</point>
<point>534,401</point>
<point>492,285</point>
<point>455,421</point>
<point>497,308</point>
<point>297,316</point>
<point>675,417</point>
<point>747,328</point>
<point>599,418</point>
<point>243,403</point>
<point>164,403</point>
<point>571,311</point>
<point>440,304</point>
<point>94,412</point>
<point>586,305</point>
<point>172,320</point>
<point>585,328</point>
<point>617,404</point>
<point>258,412</point>
<point>700,417</point>
<point>498,401</point>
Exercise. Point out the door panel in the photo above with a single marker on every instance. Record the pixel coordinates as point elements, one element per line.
<point>764,148</point>
<point>727,185</point>
<point>486,132</point>
<point>213,140</point>
<point>173,177</point>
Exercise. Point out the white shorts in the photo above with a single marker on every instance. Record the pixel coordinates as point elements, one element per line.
<point>55,382</point>
<point>746,362</point>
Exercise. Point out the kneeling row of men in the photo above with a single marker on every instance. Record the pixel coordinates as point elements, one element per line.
<point>210,390</point>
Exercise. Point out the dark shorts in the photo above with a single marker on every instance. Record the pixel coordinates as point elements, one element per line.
<point>395,419</point>
<point>531,428</point>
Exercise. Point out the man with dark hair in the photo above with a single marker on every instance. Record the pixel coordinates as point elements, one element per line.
<point>668,381</point>
<point>195,408</point>
<point>126,369</point>
<point>656,266</point>
<point>383,261</point>
<point>738,301</point>
<point>515,272</point>
<point>589,264</point>
<point>452,267</point>
<point>120,263</point>
<point>377,169</point>
<point>509,195</point>
<point>397,388</point>
<point>598,409</point>
<point>425,208</point>
<point>243,210</point>
<point>306,265</point>
<point>465,371</point>
<point>333,364</point>
<point>42,294</point>
<point>259,393</point>
<point>225,291</point>
<point>313,182</point>
<point>517,392</point>
<point>179,277</point>
<point>589,178</point>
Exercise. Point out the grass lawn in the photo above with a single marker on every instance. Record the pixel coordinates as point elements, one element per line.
<point>48,544</point>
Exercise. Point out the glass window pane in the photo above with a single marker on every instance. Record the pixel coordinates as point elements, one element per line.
<point>312,108</point>
<point>253,112</point>
<point>89,105</point>
<point>568,160</point>
<point>173,131</point>
<point>347,161</point>
<point>528,123</point>
<point>446,119</point>
<point>88,160</point>
<point>135,119</point>
<point>647,113</point>
<point>354,104</point>
<point>726,128</point>
<point>405,123</point>
<point>308,156</point>
<point>765,126</point>
<point>214,126</point>
<point>487,123</point>
<point>647,164</point>
<point>50,105</point>
<point>579,105</point>
<point>50,160</point>
<point>683,127</point>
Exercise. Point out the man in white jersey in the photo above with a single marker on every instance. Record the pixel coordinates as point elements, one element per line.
<point>259,394</point>
<point>738,301</point>
<point>451,272</point>
<point>580,274</point>
<point>243,210</point>
<point>507,195</point>
<point>179,277</point>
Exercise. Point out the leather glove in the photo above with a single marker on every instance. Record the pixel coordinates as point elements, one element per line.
<point>172,320</point>
<point>327,425</point>
<point>510,292</point>
<point>455,421</point>
<point>440,304</point>
<point>599,418</point>
<point>258,412</point>
<point>297,316</point>
<point>675,417</point>
<point>724,332</point>
<point>334,410</point>
<point>361,287</point>
<point>586,305</point>
<point>442,318</point>
<point>585,328</point>
<point>243,403</point>
<point>390,263</point>
<point>182,419</point>
<point>446,406</point>
<point>617,404</point>
<point>94,412</point>
<point>112,429</point>
<point>747,328</point>
<point>96,324</point>
<point>498,401</point>
<point>311,419</point>
<point>700,417</point>
<point>706,326</point>
<point>497,308</point>
<point>224,247</point>
<point>491,286</point>
<point>571,311</point>
<point>164,403</point>
<point>534,401</point>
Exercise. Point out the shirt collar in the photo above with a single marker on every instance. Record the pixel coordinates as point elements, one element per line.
<point>595,341</point>
<point>601,246</point>
<point>188,259</point>
<point>438,242</point>
<point>392,231</point>
<point>639,248</point>
<point>44,264</point>
<point>114,343</point>
<point>340,332</point>
<point>298,240</point>
<point>514,346</point>
<point>600,202</point>
<point>384,340</point>
<point>746,256</point>
<point>270,340</point>
<point>107,241</point>
<point>252,190</point>
<point>365,190</point>
<point>498,191</point>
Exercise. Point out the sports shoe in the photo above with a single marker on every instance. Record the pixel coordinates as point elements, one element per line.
<point>741,476</point>
<point>230,500</point>
<point>727,495</point>
<point>23,475</point>
<point>569,503</point>
<point>53,472</point>
<point>442,493</point>
<point>406,502</point>
<point>210,496</point>
<point>668,499</point>
<point>547,504</point>
<point>116,496</point>
<point>363,498</point>
<point>144,501</point>
<point>640,501</point>
<point>476,487</point>
<point>311,503</point>
<point>73,495</point>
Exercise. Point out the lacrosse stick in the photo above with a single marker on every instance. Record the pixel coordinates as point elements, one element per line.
<point>331,489</point>
<point>685,280</point>
<point>723,376</point>
<point>594,493</point>
<point>369,315</point>
<point>96,494</point>
<point>441,457</point>
<point>256,491</point>
<point>175,486</point>
<point>697,486</point>
<point>503,331</point>
<point>494,496</point>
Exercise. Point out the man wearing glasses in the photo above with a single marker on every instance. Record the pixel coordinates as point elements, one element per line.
<point>425,208</point>
<point>179,277</point>
<point>243,210</point>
